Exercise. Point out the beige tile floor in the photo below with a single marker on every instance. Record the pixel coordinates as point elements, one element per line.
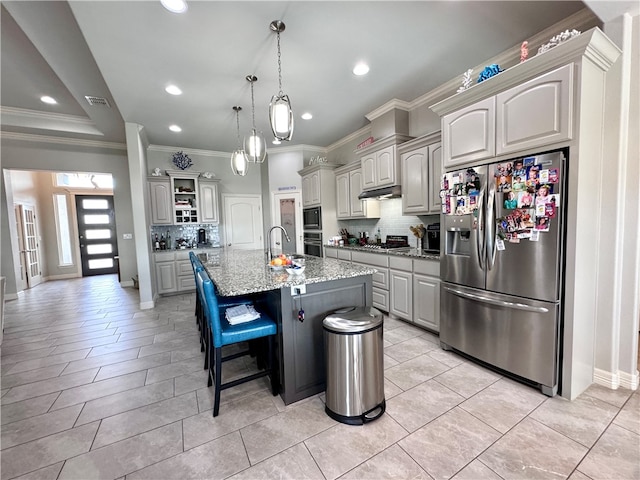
<point>93,387</point>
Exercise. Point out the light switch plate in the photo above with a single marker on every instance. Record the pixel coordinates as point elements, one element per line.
<point>127,236</point>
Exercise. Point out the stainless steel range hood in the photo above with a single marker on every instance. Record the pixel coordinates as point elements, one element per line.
<point>382,193</point>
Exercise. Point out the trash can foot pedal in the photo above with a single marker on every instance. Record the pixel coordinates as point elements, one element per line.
<point>368,416</point>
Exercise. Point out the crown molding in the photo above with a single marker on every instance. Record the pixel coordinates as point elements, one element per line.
<point>350,138</point>
<point>297,148</point>
<point>192,151</point>
<point>393,104</point>
<point>76,142</point>
<point>22,117</point>
<point>581,20</point>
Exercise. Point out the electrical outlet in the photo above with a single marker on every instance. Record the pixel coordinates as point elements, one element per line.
<point>127,236</point>
<point>298,290</point>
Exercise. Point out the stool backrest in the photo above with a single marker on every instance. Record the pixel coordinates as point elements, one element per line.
<point>210,305</point>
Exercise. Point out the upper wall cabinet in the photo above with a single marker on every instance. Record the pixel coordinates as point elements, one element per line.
<point>534,114</point>
<point>208,199</point>
<point>380,166</point>
<point>469,134</point>
<point>348,187</point>
<point>318,185</point>
<point>421,165</point>
<point>160,199</point>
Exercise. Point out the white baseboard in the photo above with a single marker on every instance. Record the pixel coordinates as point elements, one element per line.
<point>628,380</point>
<point>616,380</point>
<point>127,283</point>
<point>13,296</point>
<point>62,276</point>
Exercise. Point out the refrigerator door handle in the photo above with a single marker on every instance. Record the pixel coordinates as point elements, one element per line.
<point>491,228</point>
<point>479,236</point>
<point>500,303</point>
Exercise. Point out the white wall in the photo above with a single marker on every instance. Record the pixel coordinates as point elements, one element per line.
<point>22,155</point>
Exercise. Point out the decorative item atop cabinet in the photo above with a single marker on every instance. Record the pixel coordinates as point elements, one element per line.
<point>348,187</point>
<point>380,167</point>
<point>421,165</point>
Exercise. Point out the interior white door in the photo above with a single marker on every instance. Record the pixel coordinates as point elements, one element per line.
<point>31,245</point>
<point>242,221</point>
<point>287,211</point>
<point>22,281</point>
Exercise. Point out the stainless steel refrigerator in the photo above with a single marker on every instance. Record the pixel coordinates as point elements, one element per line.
<point>502,265</point>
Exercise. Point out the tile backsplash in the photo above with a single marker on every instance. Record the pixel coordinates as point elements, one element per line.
<point>391,222</point>
<point>188,232</point>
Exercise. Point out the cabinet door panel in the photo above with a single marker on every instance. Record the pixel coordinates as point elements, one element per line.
<point>385,167</point>
<point>356,205</point>
<point>536,113</point>
<point>401,293</point>
<point>415,190</point>
<point>468,135</point>
<point>380,299</point>
<point>369,171</point>
<point>209,206</point>
<point>380,279</point>
<point>435,176</point>
<point>427,302</point>
<point>316,189</point>
<point>166,277</point>
<point>306,191</point>
<point>343,196</point>
<point>161,203</point>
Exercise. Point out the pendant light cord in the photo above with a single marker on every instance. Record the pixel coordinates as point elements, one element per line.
<point>253,109</point>
<point>279,66</point>
<point>238,127</point>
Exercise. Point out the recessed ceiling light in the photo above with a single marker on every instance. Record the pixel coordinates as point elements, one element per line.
<point>48,99</point>
<point>306,116</point>
<point>175,128</point>
<point>276,141</point>
<point>361,69</point>
<point>173,90</point>
<point>175,6</point>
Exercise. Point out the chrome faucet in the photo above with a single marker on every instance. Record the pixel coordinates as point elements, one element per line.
<point>269,237</point>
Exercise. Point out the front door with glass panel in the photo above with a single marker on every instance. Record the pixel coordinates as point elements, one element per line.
<point>97,231</point>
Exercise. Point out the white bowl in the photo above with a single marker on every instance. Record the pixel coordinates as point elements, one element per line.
<point>295,270</point>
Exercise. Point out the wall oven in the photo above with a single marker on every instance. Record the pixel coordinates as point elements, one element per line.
<point>313,244</point>
<point>312,218</point>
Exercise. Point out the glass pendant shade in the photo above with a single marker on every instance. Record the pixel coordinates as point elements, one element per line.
<point>281,117</point>
<point>239,164</point>
<point>255,147</point>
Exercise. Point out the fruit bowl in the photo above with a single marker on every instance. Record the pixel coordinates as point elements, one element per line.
<point>275,267</point>
<point>295,269</point>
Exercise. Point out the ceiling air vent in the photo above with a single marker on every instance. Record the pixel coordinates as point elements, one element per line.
<point>97,101</point>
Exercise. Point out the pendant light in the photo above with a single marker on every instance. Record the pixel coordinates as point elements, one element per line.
<point>255,148</point>
<point>239,164</point>
<point>280,113</point>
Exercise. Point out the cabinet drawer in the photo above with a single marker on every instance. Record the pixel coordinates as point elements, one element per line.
<point>380,299</point>
<point>380,279</point>
<point>164,257</point>
<point>186,283</point>
<point>344,255</point>
<point>330,252</point>
<point>183,254</point>
<point>427,267</point>
<point>401,263</point>
<point>184,268</point>
<point>373,259</point>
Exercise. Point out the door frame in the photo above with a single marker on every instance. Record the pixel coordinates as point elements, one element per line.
<point>275,214</point>
<point>83,262</point>
<point>29,280</point>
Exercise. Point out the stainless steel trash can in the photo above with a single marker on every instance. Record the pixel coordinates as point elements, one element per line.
<point>355,365</point>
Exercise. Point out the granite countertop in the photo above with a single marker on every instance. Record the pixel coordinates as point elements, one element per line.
<point>401,252</point>
<point>240,272</point>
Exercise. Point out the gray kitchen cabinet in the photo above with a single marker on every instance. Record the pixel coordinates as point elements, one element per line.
<point>344,254</point>
<point>209,205</point>
<point>468,134</point>
<point>160,200</point>
<point>535,113</point>
<point>330,252</point>
<point>420,161</point>
<point>311,189</point>
<point>166,276</point>
<point>379,162</point>
<point>426,307</point>
<point>348,187</point>
<point>401,287</point>
<point>435,176</point>
<point>319,189</point>
<point>380,279</point>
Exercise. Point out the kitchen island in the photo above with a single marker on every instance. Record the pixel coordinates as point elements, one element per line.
<point>326,285</point>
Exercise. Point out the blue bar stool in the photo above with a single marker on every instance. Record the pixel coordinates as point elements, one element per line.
<point>223,333</point>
